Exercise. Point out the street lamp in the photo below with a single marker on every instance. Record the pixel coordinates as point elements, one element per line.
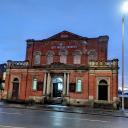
<point>124,10</point>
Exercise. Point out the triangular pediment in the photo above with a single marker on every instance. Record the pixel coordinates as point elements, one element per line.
<point>65,35</point>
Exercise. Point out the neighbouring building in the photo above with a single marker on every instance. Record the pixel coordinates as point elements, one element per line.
<point>2,78</point>
<point>65,67</point>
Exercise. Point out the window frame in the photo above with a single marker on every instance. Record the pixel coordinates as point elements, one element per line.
<point>92,55</point>
<point>63,59</point>
<point>33,80</point>
<point>77,88</point>
<point>49,59</point>
<point>37,58</point>
<point>77,59</point>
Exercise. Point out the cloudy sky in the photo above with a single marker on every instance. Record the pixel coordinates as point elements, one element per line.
<point>38,19</point>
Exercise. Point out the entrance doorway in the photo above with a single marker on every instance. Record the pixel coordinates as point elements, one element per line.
<point>15,89</point>
<point>103,90</point>
<point>57,86</point>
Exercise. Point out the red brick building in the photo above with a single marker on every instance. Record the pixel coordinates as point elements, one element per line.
<point>65,66</point>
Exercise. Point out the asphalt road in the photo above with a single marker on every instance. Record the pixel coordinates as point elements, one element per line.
<point>24,118</point>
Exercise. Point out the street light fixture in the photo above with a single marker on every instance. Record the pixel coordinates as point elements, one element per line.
<point>124,10</point>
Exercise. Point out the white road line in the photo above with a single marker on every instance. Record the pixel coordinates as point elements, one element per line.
<point>16,113</point>
<point>7,126</point>
<point>102,121</point>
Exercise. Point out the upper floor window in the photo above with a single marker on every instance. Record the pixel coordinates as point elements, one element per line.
<point>77,57</point>
<point>63,56</point>
<point>92,55</point>
<point>37,57</point>
<point>50,57</point>
<point>63,59</point>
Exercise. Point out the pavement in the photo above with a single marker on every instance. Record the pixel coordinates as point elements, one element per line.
<point>68,109</point>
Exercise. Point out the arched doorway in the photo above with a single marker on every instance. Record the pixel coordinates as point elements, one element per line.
<point>57,86</point>
<point>15,88</point>
<point>103,90</point>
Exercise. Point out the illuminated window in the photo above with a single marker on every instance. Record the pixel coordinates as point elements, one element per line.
<point>34,84</point>
<point>79,85</point>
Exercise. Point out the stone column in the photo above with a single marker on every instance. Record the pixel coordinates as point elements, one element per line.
<point>45,82</point>
<point>48,84</point>
<point>67,83</point>
<point>64,86</point>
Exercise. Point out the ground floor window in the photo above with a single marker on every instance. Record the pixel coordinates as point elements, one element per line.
<point>39,85</point>
<point>78,85</point>
<point>72,87</point>
<point>34,84</point>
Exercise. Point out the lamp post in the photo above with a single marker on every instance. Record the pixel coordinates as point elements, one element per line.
<point>125,10</point>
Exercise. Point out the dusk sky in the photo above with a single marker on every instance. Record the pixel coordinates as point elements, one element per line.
<point>38,19</point>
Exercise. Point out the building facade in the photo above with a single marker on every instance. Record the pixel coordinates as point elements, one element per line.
<point>65,67</point>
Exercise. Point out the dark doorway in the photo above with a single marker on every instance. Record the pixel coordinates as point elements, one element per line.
<point>56,91</point>
<point>103,90</point>
<point>57,87</point>
<point>15,89</point>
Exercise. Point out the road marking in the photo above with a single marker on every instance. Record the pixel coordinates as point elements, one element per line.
<point>7,126</point>
<point>102,121</point>
<point>16,113</point>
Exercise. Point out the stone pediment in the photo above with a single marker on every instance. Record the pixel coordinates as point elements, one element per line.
<point>66,35</point>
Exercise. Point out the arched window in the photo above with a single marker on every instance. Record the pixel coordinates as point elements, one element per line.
<point>92,55</point>
<point>50,57</point>
<point>37,57</point>
<point>63,56</point>
<point>77,57</point>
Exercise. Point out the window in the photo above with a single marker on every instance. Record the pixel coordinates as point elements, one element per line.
<point>72,87</point>
<point>34,84</point>
<point>79,85</point>
<point>92,55</point>
<point>50,57</point>
<point>39,85</point>
<point>63,56</point>
<point>37,57</point>
<point>77,57</point>
<point>63,59</point>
